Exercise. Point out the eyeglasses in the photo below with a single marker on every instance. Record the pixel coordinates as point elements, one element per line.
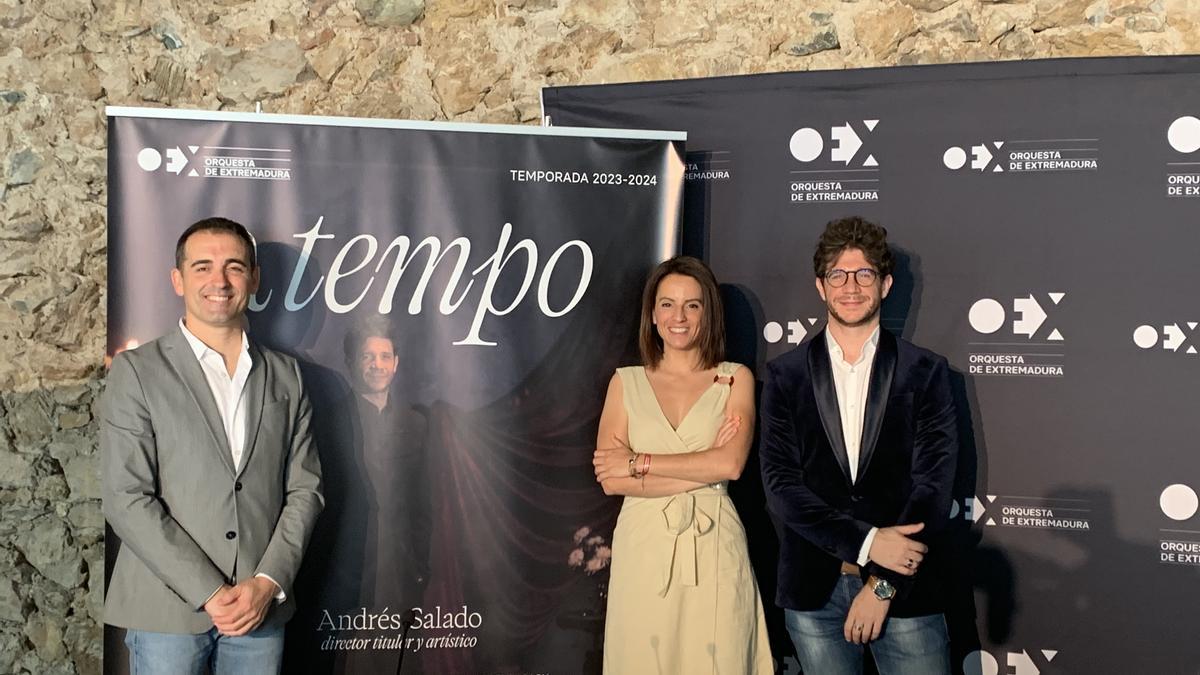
<point>863,277</point>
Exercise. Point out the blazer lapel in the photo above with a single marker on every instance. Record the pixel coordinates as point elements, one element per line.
<point>825,394</point>
<point>256,391</point>
<point>878,391</point>
<point>183,360</point>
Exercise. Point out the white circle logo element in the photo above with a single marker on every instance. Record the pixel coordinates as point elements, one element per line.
<point>980,663</point>
<point>149,159</point>
<point>954,158</point>
<point>1178,502</point>
<point>1184,134</point>
<point>1145,337</point>
<point>806,144</point>
<point>773,332</point>
<point>986,316</point>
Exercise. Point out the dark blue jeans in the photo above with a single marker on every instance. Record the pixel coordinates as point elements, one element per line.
<point>916,645</point>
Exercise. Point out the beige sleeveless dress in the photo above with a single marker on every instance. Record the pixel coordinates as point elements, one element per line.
<point>682,599</point>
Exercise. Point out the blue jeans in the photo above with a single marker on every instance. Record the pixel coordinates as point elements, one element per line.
<point>916,645</point>
<point>256,653</point>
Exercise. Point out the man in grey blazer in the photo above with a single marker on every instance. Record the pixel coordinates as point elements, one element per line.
<point>210,475</point>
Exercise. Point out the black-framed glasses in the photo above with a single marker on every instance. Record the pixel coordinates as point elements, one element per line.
<point>863,277</point>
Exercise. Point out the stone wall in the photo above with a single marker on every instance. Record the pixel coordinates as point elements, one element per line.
<point>62,61</point>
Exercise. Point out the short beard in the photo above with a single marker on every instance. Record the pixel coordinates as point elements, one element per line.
<point>362,387</point>
<point>867,318</point>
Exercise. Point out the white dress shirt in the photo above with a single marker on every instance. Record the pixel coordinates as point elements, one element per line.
<point>850,381</point>
<point>228,391</point>
<point>230,395</point>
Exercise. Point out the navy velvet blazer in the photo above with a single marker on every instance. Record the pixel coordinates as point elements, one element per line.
<point>905,471</point>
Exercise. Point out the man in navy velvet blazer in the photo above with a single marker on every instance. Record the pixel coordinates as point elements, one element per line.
<point>858,454</point>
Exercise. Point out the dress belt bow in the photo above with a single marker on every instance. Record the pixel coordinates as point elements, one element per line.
<point>685,521</point>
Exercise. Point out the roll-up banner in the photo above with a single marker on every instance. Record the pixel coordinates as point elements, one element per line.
<point>1046,215</point>
<point>506,262</point>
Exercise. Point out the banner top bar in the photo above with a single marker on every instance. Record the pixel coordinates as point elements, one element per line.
<point>321,120</point>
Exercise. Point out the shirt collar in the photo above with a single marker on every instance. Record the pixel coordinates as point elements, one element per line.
<point>199,349</point>
<point>367,405</point>
<point>835,350</point>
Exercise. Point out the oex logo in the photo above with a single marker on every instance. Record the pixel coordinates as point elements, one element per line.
<point>796,330</point>
<point>982,157</point>
<point>807,144</point>
<point>1020,663</point>
<point>1173,337</point>
<point>150,159</point>
<point>987,316</point>
<point>972,509</point>
<point>1184,134</point>
<point>1178,502</point>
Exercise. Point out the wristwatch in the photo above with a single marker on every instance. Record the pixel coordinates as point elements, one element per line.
<point>882,588</point>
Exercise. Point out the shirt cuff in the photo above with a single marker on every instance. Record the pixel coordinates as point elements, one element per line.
<point>211,596</point>
<point>864,553</point>
<point>280,596</point>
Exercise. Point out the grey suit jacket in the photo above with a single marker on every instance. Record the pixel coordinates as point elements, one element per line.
<point>188,521</point>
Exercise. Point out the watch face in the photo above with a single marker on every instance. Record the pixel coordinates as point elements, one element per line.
<point>884,590</point>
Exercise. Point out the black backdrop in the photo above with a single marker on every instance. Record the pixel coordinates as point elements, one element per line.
<point>532,220</point>
<point>1047,219</point>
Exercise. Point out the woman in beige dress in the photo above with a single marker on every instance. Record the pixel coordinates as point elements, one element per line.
<point>682,596</point>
